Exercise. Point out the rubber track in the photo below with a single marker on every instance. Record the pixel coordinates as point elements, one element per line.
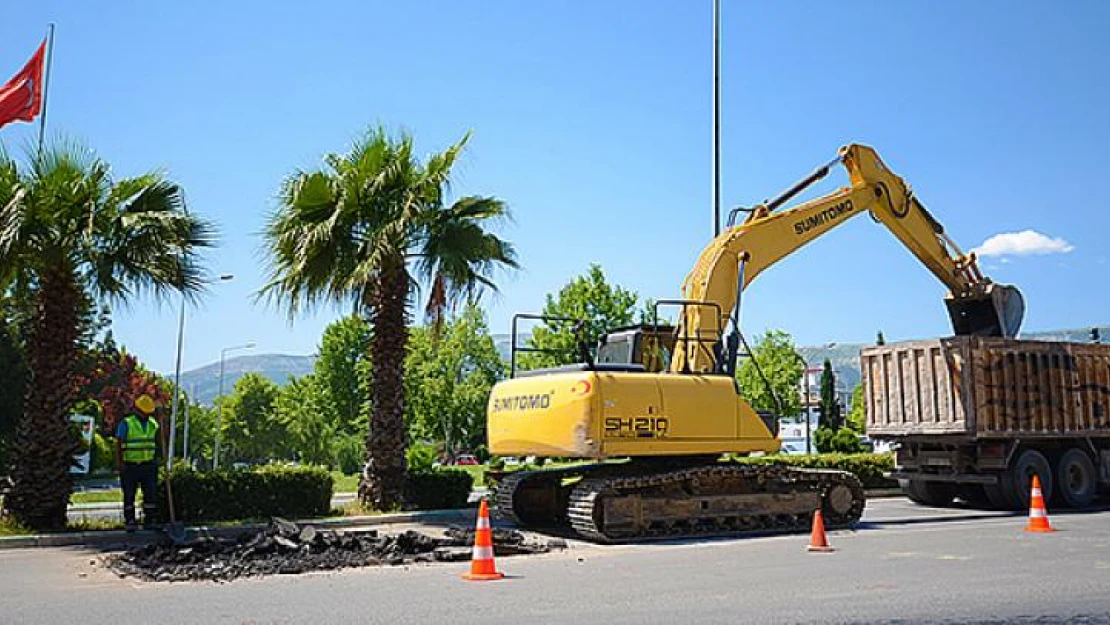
<point>587,493</point>
<point>507,488</point>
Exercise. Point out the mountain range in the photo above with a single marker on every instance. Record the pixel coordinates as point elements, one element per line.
<point>203,383</point>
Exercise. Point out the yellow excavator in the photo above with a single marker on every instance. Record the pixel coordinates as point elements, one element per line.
<point>657,406</point>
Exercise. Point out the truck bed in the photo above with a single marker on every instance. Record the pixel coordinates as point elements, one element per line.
<point>987,388</point>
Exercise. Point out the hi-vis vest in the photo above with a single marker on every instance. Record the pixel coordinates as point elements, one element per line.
<point>139,446</point>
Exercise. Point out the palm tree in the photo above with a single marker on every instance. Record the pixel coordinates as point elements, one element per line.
<point>364,232</point>
<point>68,231</point>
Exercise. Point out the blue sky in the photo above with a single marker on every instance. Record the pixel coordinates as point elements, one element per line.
<point>592,120</point>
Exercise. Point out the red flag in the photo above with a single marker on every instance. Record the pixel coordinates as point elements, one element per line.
<point>21,97</point>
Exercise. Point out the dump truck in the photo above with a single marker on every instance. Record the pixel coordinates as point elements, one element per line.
<point>976,417</point>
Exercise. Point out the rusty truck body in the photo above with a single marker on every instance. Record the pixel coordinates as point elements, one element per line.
<point>976,417</point>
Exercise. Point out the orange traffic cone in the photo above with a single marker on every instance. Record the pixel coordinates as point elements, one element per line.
<point>482,567</point>
<point>1038,515</point>
<point>817,540</point>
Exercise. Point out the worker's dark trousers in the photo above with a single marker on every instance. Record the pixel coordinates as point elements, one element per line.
<point>135,475</point>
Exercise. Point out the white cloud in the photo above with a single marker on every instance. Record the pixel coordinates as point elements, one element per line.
<point>1024,243</point>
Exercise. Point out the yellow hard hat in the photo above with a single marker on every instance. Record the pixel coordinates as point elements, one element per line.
<point>145,403</point>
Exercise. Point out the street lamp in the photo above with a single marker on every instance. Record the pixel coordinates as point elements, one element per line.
<point>805,383</point>
<point>219,400</point>
<point>809,407</point>
<point>177,378</point>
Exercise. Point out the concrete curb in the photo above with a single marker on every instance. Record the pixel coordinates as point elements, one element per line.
<point>121,539</point>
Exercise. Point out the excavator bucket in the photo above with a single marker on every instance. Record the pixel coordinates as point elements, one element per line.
<point>998,312</point>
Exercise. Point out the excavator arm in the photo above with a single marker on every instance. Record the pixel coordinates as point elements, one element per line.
<point>733,259</point>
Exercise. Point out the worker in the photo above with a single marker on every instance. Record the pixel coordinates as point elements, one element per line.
<point>137,442</point>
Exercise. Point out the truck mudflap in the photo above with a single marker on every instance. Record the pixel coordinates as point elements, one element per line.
<point>952,478</point>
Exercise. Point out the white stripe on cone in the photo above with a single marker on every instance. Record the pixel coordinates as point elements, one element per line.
<point>1037,513</point>
<point>483,553</point>
<point>483,523</point>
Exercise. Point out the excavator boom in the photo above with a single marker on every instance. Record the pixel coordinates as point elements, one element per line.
<point>739,254</point>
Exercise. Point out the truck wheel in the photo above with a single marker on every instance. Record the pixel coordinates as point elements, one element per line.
<point>1076,482</point>
<point>937,494</point>
<point>1017,481</point>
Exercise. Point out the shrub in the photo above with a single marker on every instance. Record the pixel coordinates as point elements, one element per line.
<point>869,468</point>
<point>348,454</point>
<point>103,454</point>
<point>420,457</point>
<point>252,493</point>
<point>844,441</point>
<point>438,489</point>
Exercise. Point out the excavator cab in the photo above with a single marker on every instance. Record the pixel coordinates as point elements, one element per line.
<point>645,344</point>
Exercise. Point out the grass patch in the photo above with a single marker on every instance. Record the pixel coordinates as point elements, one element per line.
<point>344,483</point>
<point>112,495</point>
<point>349,483</point>
<point>477,471</point>
<point>8,527</point>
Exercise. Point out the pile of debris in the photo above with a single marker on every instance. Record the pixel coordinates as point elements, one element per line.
<point>284,547</point>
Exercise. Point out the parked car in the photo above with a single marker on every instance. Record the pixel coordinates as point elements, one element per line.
<point>466,460</point>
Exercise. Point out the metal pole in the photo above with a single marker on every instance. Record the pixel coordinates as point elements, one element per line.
<point>176,386</point>
<point>185,443</point>
<point>805,379</point>
<point>46,84</point>
<point>716,118</point>
<point>219,413</point>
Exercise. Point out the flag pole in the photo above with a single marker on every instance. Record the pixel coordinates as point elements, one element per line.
<point>46,83</point>
<point>716,118</point>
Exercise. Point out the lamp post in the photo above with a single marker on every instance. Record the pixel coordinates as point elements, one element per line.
<point>805,383</point>
<point>177,378</point>
<point>219,400</point>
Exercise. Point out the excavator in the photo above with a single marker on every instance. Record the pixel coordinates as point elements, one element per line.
<point>656,407</point>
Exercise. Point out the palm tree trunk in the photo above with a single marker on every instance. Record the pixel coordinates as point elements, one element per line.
<point>383,478</point>
<point>44,446</point>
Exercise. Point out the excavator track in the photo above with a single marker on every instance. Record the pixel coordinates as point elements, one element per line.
<point>717,500</point>
<point>625,503</point>
<point>537,498</point>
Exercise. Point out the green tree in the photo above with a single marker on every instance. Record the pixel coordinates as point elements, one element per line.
<point>590,298</point>
<point>70,231</point>
<point>342,373</point>
<point>449,377</point>
<point>364,231</point>
<point>202,430</point>
<point>251,430</point>
<point>302,409</point>
<point>857,415</point>
<point>776,357</point>
<point>830,415</point>
<point>13,374</point>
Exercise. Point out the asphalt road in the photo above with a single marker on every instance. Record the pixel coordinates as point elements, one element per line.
<point>905,564</point>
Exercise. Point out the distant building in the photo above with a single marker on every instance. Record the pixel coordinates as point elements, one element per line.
<point>812,379</point>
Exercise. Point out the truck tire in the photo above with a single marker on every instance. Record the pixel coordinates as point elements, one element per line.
<point>1017,480</point>
<point>937,494</point>
<point>1076,480</point>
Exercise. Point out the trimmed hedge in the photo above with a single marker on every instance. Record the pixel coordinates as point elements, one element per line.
<point>252,493</point>
<point>438,489</point>
<point>869,468</point>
